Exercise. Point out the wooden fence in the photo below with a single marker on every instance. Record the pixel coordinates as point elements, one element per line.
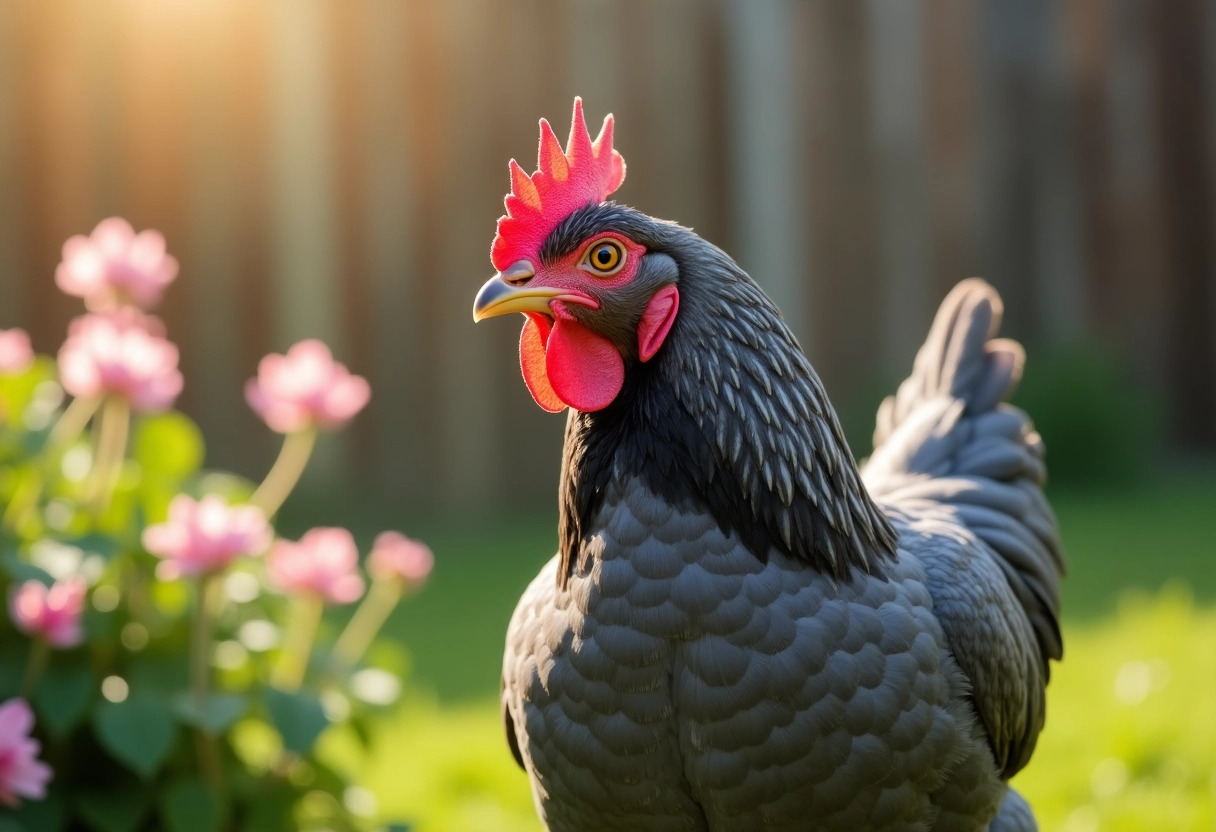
<point>334,169</point>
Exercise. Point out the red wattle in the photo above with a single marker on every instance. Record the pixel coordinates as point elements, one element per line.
<point>585,369</point>
<point>567,365</point>
<point>532,362</point>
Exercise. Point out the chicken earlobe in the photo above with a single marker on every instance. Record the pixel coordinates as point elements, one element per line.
<point>660,314</point>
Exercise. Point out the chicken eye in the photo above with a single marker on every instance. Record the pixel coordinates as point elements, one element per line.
<point>605,257</point>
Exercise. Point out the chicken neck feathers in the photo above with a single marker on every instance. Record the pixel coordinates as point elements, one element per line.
<point>730,414</point>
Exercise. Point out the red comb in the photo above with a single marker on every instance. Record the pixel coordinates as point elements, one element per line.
<point>587,172</point>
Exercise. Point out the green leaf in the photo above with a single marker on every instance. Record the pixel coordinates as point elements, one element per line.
<point>102,626</point>
<point>214,717</point>
<point>168,445</point>
<point>158,674</point>
<point>21,571</point>
<point>63,696</point>
<point>114,810</point>
<point>14,657</point>
<point>47,815</point>
<point>298,716</point>
<point>271,811</point>
<point>97,544</point>
<point>188,806</point>
<point>33,443</point>
<point>139,733</point>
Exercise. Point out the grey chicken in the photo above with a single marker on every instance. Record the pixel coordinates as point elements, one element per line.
<point>741,630</point>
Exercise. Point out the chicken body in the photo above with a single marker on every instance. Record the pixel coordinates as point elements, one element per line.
<point>744,632</point>
<point>678,683</point>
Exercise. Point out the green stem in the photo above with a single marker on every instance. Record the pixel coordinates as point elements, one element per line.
<point>286,471</point>
<point>111,449</point>
<point>138,590</point>
<point>380,602</point>
<point>209,765</point>
<point>71,423</point>
<point>200,641</point>
<point>297,645</point>
<point>205,592</point>
<point>40,653</point>
<point>25,499</point>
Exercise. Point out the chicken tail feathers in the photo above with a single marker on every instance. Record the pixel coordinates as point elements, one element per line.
<point>948,436</point>
<point>962,359</point>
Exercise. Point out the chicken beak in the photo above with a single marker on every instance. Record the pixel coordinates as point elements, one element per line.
<point>508,291</point>
<point>498,297</point>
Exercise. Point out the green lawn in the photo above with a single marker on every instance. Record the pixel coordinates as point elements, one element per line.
<point>1130,742</point>
<point>1131,736</point>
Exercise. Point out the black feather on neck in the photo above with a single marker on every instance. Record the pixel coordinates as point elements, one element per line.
<point>730,416</point>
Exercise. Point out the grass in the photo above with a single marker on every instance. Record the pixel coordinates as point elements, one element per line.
<point>1132,711</point>
<point>1130,742</point>
<point>445,768</point>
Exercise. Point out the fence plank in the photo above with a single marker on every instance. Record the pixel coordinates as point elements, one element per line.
<point>388,211</point>
<point>1186,172</point>
<point>1139,319</point>
<point>767,152</point>
<point>844,250</point>
<point>305,249</point>
<point>215,272</point>
<point>1060,268</point>
<point>1090,34</point>
<point>469,431</point>
<point>59,117</point>
<point>305,277</point>
<point>898,97</point>
<point>14,264</point>
<point>351,100</point>
<point>952,124</point>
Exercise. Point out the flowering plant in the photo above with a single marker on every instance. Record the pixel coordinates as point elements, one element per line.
<point>165,663</point>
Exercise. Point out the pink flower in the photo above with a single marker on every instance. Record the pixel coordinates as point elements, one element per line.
<point>21,775</point>
<point>206,535</point>
<point>49,613</point>
<point>305,388</point>
<point>16,354</point>
<point>124,354</point>
<point>114,265</point>
<point>323,563</point>
<point>396,556</point>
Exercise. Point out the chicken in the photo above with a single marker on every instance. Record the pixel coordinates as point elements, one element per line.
<point>741,630</point>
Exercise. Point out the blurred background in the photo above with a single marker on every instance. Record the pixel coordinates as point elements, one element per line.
<point>334,169</point>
